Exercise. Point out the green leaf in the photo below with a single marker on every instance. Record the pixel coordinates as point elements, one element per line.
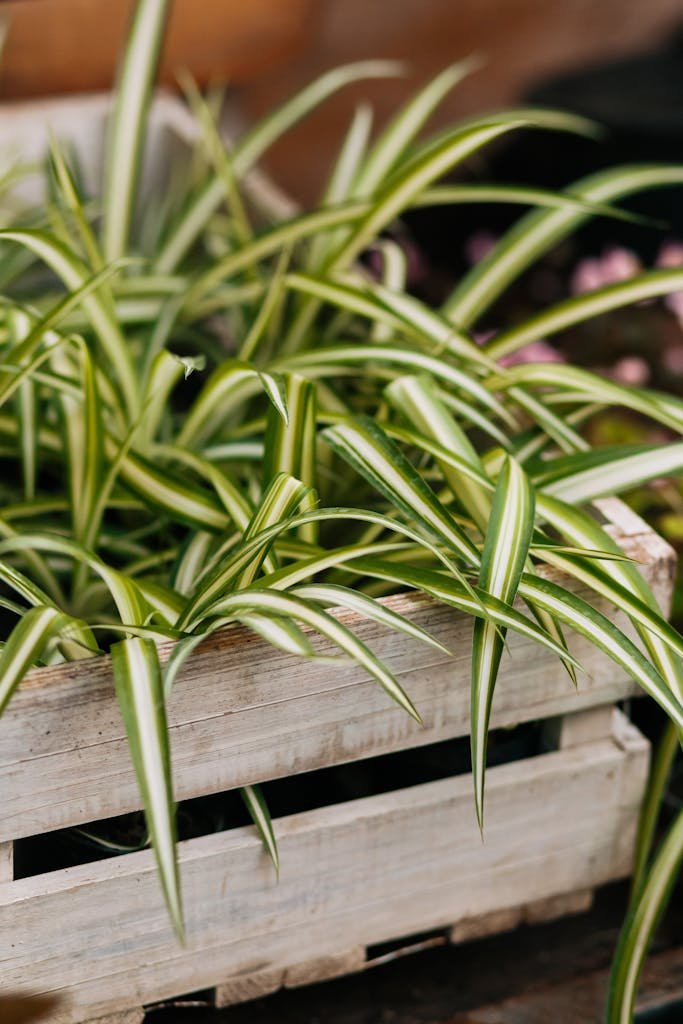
<point>640,924</point>
<point>506,549</point>
<point>260,815</point>
<point>128,124</point>
<point>249,150</point>
<point>579,308</point>
<point>540,230</point>
<point>658,781</point>
<point>366,607</point>
<point>75,274</point>
<point>363,444</point>
<point>25,645</point>
<point>229,386</point>
<point>137,677</point>
<point>296,608</point>
<point>580,478</point>
<point>290,446</point>
<point>604,635</point>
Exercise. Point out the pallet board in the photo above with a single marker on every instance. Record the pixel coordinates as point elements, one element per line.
<point>353,874</point>
<point>242,712</point>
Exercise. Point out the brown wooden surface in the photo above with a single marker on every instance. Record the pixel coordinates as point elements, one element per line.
<point>72,45</point>
<point>522,42</point>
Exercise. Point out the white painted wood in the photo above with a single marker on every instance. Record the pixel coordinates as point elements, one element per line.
<point>242,712</point>
<point>353,874</point>
<point>6,861</point>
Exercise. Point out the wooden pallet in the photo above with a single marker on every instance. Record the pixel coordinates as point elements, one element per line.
<point>353,874</point>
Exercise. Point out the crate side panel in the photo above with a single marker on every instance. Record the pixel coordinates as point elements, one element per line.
<point>242,712</point>
<point>352,874</point>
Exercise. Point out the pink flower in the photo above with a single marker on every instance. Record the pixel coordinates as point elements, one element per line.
<point>674,302</point>
<point>587,276</point>
<point>478,246</point>
<point>619,264</point>
<point>631,370</point>
<point>670,255</point>
<point>672,358</point>
<point>615,264</point>
<point>534,352</point>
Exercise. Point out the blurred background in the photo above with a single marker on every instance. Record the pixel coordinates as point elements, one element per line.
<point>268,48</point>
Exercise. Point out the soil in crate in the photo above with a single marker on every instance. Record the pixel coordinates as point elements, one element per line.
<point>219,812</point>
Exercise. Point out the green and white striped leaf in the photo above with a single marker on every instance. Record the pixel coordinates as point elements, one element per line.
<point>75,274</point>
<point>138,681</point>
<point>336,359</point>
<point>127,130</point>
<point>334,595</point>
<point>363,444</point>
<point>404,127</point>
<point>580,308</point>
<point>260,815</point>
<point>540,230</point>
<point>227,389</point>
<point>638,929</point>
<point>254,144</point>
<point>506,550</point>
<point>449,591</point>
<point>603,634</point>
<point>295,607</point>
<point>290,446</point>
<point>26,644</point>
<point>578,479</point>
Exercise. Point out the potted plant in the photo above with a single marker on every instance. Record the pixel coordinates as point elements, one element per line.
<point>213,434</point>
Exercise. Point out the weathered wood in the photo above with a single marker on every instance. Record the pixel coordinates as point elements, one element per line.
<point>242,712</point>
<point>550,908</point>
<point>241,988</point>
<point>572,730</point>
<point>353,874</point>
<point>482,925</point>
<point>324,968</point>
<point>6,861</point>
<point>565,904</point>
<point>122,1017</point>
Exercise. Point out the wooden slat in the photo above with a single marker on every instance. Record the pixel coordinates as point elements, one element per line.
<point>548,909</point>
<point>352,874</point>
<point>6,861</point>
<point>242,712</point>
<point>572,730</point>
<point>241,988</point>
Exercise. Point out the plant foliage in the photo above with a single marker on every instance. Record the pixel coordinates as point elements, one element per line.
<point>221,416</point>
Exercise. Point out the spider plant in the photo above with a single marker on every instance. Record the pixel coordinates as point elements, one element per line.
<point>220,416</point>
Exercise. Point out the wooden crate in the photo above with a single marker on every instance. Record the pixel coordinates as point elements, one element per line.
<point>353,874</point>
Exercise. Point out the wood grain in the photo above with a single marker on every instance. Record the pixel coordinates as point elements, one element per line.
<point>242,712</point>
<point>353,874</point>
<point>73,45</point>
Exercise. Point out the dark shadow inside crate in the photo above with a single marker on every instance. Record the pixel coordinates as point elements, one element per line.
<point>291,795</point>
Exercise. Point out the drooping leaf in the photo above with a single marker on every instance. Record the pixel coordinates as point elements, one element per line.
<point>137,676</point>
